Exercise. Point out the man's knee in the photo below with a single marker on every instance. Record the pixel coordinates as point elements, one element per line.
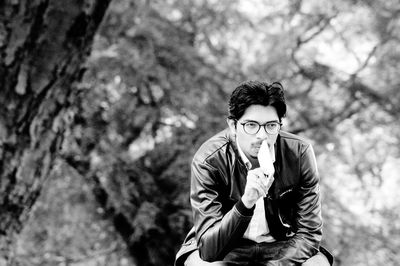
<point>317,260</point>
<point>194,260</point>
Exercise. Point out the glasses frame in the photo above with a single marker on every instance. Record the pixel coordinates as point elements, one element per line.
<point>259,127</point>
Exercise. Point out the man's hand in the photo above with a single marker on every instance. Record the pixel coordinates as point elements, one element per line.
<point>257,186</point>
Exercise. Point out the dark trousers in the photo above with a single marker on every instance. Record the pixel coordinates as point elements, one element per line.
<point>254,254</point>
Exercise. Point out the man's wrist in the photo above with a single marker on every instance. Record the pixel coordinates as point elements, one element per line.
<point>243,210</point>
<point>247,203</point>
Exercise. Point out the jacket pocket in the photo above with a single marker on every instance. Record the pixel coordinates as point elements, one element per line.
<point>286,203</point>
<point>285,193</point>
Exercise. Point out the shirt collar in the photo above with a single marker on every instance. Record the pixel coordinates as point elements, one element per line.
<point>246,161</point>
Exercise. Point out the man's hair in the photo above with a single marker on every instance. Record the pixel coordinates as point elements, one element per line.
<point>256,93</point>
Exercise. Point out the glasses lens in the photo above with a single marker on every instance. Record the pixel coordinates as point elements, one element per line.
<point>272,128</point>
<point>251,127</point>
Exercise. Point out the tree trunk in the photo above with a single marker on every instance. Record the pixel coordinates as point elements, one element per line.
<point>42,46</point>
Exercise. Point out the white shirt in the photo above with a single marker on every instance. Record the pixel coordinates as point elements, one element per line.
<point>257,230</point>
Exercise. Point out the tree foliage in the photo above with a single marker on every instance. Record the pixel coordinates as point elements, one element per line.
<point>156,86</point>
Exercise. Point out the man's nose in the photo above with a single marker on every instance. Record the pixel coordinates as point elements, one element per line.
<point>262,134</point>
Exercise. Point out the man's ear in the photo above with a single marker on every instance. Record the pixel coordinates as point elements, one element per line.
<point>232,125</point>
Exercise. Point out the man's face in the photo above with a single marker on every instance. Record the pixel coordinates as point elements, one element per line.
<point>250,144</point>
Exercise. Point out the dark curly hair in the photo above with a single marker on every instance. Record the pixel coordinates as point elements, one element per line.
<point>256,93</point>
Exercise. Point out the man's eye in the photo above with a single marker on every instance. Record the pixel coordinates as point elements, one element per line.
<point>272,125</point>
<point>251,125</point>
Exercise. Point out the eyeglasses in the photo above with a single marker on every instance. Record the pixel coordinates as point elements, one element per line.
<point>252,127</point>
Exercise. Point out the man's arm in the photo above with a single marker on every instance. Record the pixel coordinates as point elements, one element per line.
<point>305,243</point>
<point>215,231</point>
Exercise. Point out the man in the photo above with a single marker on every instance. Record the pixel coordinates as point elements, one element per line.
<point>255,189</point>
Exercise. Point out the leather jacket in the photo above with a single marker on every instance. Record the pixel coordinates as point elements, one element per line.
<point>292,206</point>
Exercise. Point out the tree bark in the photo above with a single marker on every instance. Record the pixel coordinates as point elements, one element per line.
<point>43,44</point>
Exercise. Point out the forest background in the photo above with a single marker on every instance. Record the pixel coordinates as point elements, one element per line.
<point>155,86</point>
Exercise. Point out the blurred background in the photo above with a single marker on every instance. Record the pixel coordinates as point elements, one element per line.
<point>156,86</point>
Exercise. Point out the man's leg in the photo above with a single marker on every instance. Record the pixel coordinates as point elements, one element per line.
<point>317,260</point>
<point>194,260</point>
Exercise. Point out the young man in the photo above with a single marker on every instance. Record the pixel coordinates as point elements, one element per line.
<point>255,189</point>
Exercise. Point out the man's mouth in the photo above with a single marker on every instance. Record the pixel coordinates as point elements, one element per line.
<point>258,145</point>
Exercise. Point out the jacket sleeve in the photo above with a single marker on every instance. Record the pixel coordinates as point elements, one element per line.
<point>305,243</point>
<point>216,228</point>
